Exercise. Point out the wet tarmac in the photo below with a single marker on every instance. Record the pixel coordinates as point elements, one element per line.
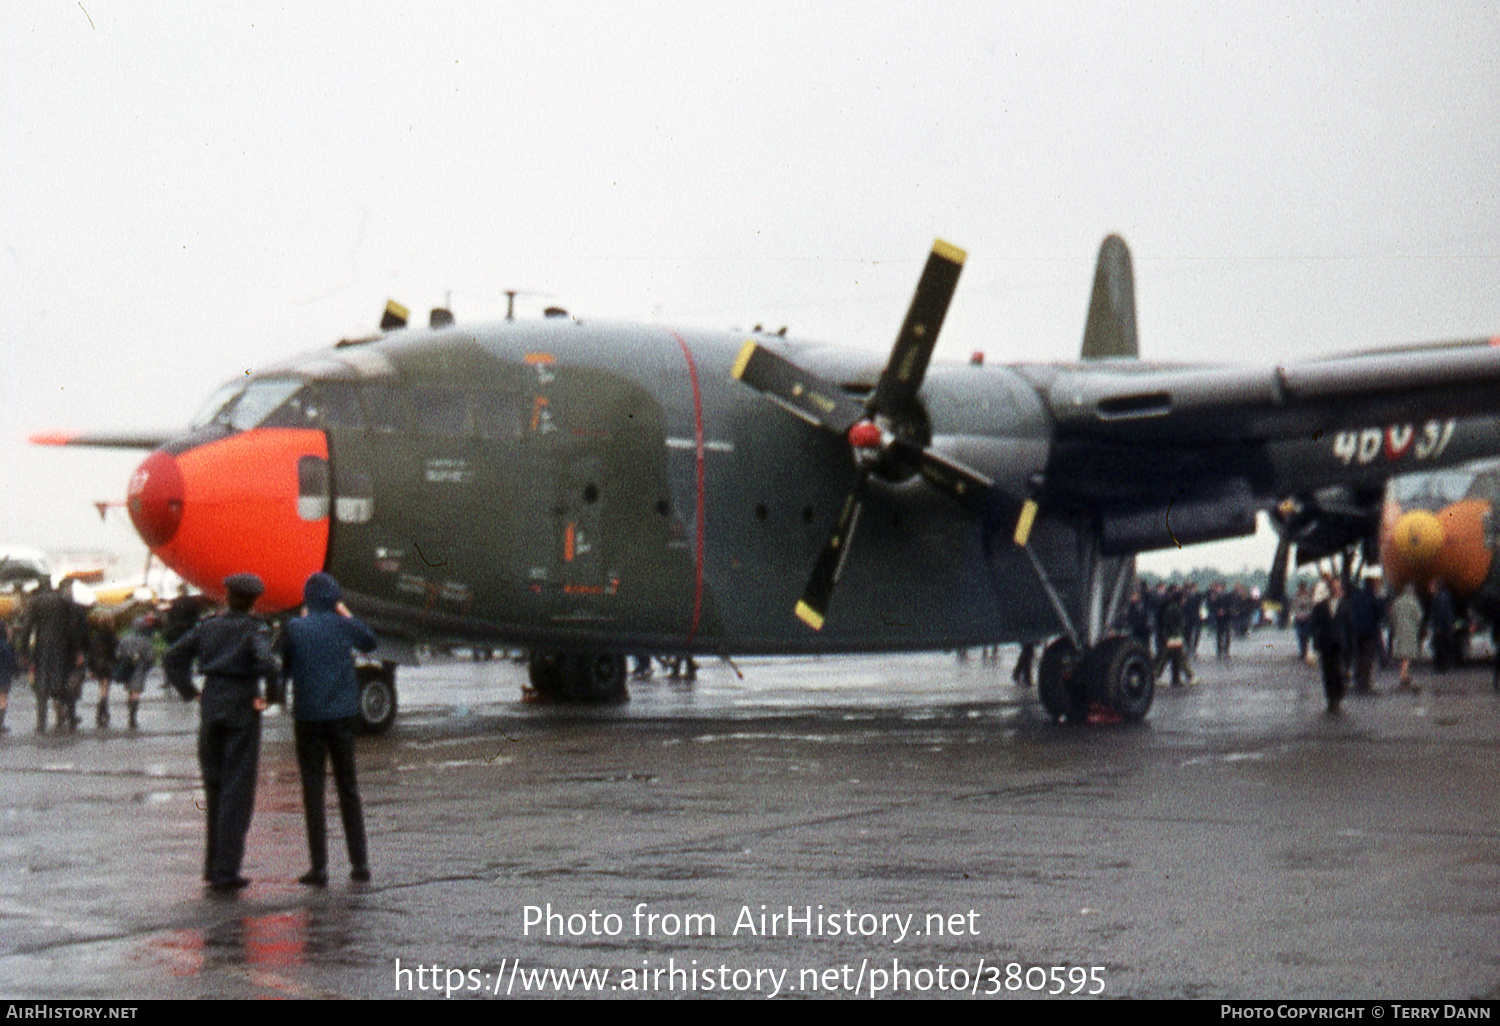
<point>908,826</point>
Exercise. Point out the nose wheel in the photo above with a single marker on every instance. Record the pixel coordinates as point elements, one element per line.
<point>377,697</point>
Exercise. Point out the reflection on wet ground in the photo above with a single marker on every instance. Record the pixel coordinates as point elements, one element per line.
<point>1239,843</point>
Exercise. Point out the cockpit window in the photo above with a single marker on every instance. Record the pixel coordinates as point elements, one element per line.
<point>241,408</point>
<point>209,413</point>
<point>319,404</point>
<point>1432,491</point>
<point>298,410</point>
<point>283,402</point>
<point>435,411</point>
<point>385,405</point>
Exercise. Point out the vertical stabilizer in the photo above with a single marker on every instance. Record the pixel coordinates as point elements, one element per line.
<point>1110,330</point>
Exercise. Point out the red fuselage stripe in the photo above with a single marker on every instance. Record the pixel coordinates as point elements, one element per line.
<point>698,468</point>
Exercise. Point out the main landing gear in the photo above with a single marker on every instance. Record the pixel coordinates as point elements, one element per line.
<point>1109,678</point>
<point>586,678</point>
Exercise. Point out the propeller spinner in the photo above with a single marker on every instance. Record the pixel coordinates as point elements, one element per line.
<point>887,430</point>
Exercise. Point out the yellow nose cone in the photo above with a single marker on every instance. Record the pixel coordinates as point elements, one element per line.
<point>1419,535</point>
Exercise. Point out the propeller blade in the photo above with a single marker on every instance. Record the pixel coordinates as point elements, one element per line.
<point>813,606</point>
<point>889,431</point>
<point>952,477</point>
<point>800,392</point>
<point>914,344</point>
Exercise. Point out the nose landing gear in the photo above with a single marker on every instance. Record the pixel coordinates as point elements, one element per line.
<point>377,697</point>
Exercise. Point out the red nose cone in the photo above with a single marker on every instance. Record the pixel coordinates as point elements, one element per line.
<point>253,502</point>
<point>155,499</point>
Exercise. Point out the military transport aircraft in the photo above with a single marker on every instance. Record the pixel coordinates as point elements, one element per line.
<point>591,490</point>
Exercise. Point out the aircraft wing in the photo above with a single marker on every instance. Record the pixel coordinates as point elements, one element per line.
<point>106,439</point>
<point>1136,402</point>
<point>1160,455</point>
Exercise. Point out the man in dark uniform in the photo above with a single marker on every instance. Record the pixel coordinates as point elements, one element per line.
<point>234,653</point>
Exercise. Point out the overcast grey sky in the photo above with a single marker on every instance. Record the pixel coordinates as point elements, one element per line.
<point>192,190</point>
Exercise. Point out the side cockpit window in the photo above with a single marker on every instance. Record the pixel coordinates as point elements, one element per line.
<point>338,405</point>
<point>385,408</point>
<point>440,411</point>
<point>327,405</point>
<point>298,410</point>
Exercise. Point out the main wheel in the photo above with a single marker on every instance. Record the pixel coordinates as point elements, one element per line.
<point>1119,674</point>
<point>377,697</point>
<point>598,677</point>
<point>1056,682</point>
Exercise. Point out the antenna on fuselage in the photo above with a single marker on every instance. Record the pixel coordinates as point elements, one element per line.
<point>510,300</point>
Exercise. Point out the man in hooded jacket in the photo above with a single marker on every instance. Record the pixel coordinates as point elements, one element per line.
<point>317,659</point>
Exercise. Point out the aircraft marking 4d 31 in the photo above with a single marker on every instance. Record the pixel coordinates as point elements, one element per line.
<point>591,490</point>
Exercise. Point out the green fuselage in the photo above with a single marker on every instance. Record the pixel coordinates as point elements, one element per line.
<point>558,483</point>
